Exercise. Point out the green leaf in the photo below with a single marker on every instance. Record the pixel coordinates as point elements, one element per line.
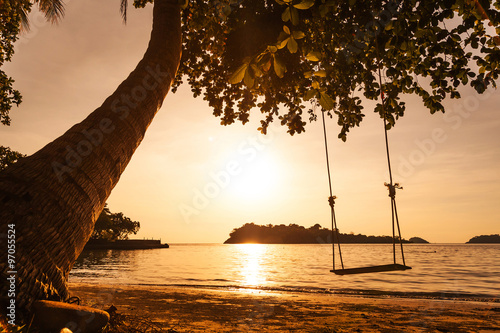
<point>326,101</point>
<point>286,30</point>
<point>308,74</point>
<point>310,94</point>
<point>283,43</point>
<point>313,56</point>
<point>292,45</point>
<point>298,34</point>
<point>321,73</point>
<point>267,65</point>
<point>273,48</point>
<point>279,67</point>
<point>249,79</point>
<point>294,16</point>
<point>238,75</point>
<point>306,4</point>
<point>286,15</point>
<point>256,70</point>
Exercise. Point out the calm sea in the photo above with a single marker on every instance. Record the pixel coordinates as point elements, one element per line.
<point>448,270</point>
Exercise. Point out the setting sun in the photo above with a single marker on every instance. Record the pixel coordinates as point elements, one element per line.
<point>259,179</point>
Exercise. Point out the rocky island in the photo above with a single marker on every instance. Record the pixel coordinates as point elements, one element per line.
<point>296,234</point>
<point>485,239</point>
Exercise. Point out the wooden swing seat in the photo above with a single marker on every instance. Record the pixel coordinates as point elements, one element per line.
<point>371,269</point>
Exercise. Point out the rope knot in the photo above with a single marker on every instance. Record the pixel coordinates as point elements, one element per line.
<point>331,200</point>
<point>392,189</point>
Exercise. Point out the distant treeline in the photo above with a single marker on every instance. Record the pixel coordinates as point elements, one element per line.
<point>296,234</point>
<point>485,239</point>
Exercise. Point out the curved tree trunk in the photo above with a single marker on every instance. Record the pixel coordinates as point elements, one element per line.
<point>52,199</point>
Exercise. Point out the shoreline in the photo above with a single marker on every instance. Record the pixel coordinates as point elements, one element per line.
<point>429,295</point>
<point>188,309</point>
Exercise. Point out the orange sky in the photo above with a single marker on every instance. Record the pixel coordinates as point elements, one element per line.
<point>192,180</point>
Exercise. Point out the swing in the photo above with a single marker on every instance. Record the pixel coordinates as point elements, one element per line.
<point>395,221</point>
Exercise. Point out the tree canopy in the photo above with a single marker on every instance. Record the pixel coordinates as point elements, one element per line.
<point>14,19</point>
<point>286,56</point>
<point>8,157</point>
<point>11,16</point>
<point>282,55</point>
<point>114,226</point>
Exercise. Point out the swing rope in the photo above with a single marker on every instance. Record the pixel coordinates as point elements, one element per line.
<point>392,194</point>
<point>391,186</point>
<point>331,200</point>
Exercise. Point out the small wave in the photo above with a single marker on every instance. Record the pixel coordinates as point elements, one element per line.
<point>351,292</point>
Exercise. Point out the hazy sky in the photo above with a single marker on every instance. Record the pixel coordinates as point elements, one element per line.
<point>193,180</point>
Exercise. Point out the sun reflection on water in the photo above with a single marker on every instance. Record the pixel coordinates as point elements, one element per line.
<point>252,257</point>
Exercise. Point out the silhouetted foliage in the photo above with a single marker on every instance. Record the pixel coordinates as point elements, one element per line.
<point>114,226</point>
<point>12,13</point>
<point>8,157</point>
<point>14,19</point>
<point>296,234</point>
<point>418,240</point>
<point>485,239</point>
<point>278,55</point>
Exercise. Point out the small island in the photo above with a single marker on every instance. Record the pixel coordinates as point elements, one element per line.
<point>418,240</point>
<point>485,239</point>
<point>296,234</point>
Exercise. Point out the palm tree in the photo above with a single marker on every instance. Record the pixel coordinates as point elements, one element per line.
<point>52,9</point>
<point>52,199</point>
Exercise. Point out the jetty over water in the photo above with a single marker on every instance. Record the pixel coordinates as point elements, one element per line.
<point>128,244</point>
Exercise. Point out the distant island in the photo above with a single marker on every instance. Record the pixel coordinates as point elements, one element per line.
<point>485,239</point>
<point>296,234</point>
<point>418,240</point>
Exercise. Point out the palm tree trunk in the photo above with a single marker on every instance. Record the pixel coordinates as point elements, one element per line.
<point>52,199</point>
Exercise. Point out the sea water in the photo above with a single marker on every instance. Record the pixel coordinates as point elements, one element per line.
<point>441,270</point>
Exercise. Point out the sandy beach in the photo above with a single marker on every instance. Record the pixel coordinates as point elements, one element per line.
<point>187,309</point>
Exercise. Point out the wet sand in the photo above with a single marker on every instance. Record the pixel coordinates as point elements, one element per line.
<point>207,310</point>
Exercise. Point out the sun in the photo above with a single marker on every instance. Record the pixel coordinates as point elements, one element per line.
<point>258,179</point>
